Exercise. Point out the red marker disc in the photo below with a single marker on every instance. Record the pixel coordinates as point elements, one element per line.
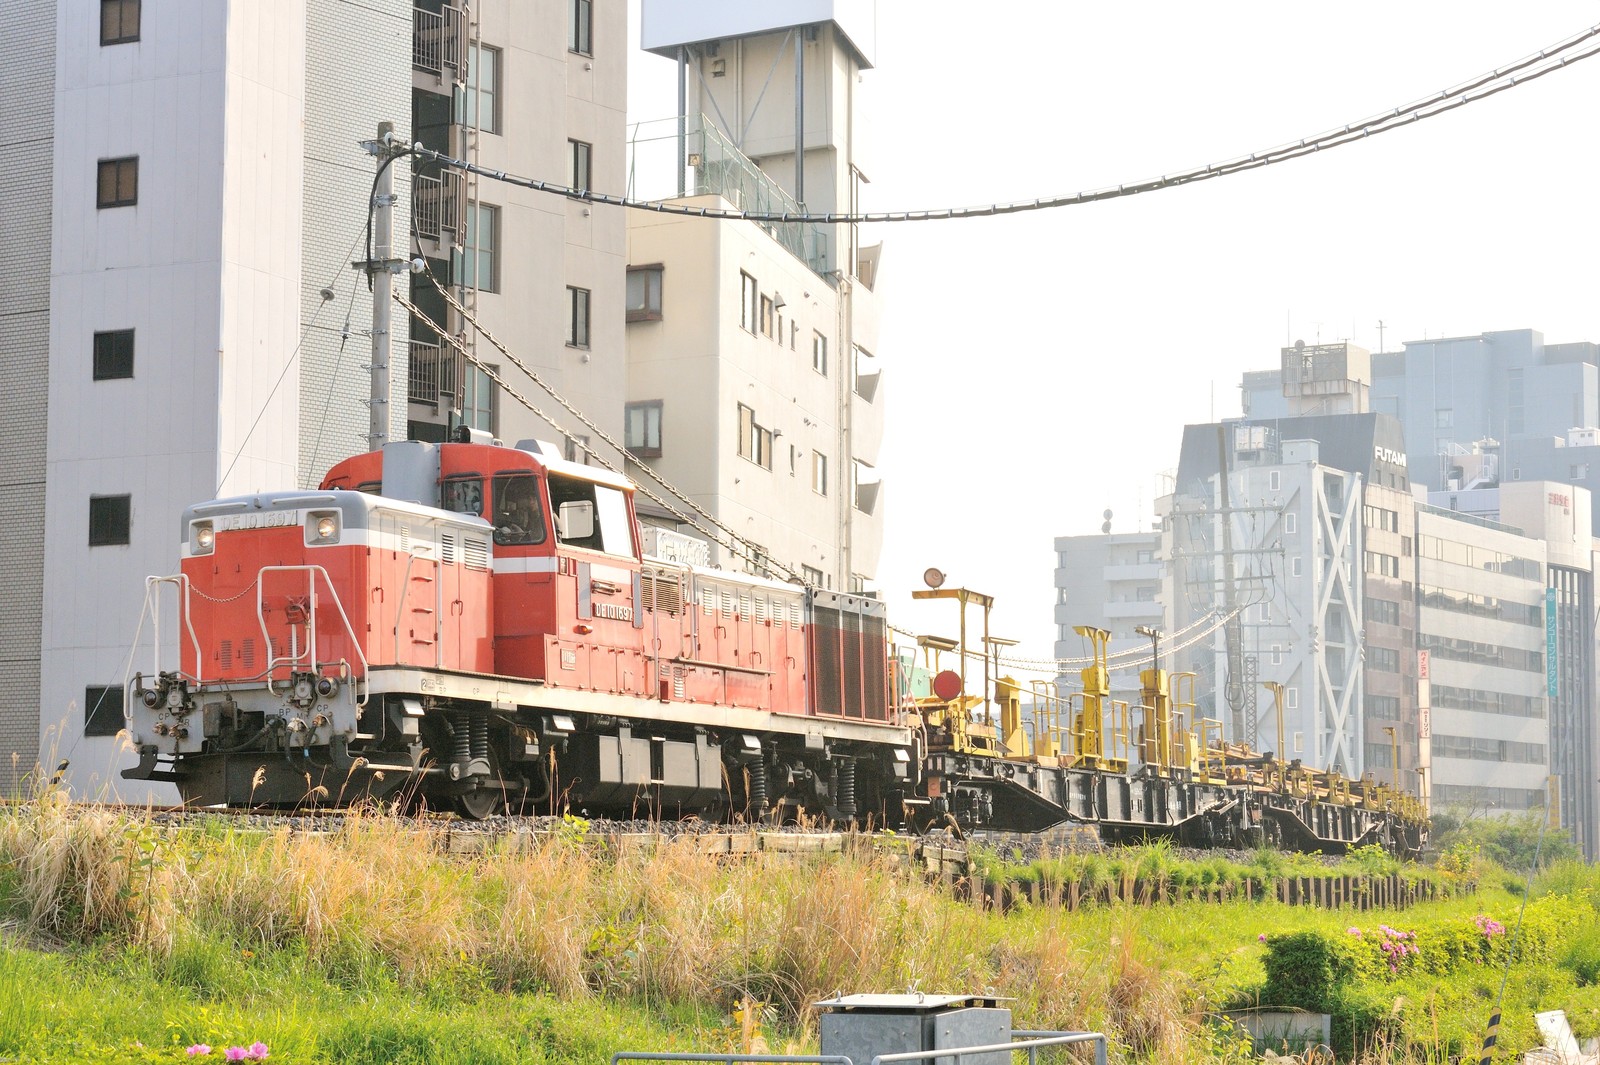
<point>947,685</point>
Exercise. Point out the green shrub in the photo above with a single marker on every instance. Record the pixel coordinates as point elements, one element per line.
<point>1310,970</point>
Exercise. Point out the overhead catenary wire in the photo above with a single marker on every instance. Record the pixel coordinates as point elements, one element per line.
<point>605,437</point>
<point>737,546</point>
<point>1545,61</point>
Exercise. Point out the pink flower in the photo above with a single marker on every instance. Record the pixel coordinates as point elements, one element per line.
<point>1262,937</point>
<point>258,1052</point>
<point>234,1053</point>
<point>1353,931</point>
<point>199,1049</point>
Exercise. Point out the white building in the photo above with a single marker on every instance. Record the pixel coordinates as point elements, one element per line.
<point>183,183</point>
<point>753,380</point>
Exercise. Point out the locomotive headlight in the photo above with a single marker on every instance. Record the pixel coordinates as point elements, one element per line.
<point>202,538</point>
<point>322,527</point>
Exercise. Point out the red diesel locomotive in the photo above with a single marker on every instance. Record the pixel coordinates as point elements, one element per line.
<point>476,625</point>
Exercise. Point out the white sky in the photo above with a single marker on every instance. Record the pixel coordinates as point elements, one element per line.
<point>1038,369</point>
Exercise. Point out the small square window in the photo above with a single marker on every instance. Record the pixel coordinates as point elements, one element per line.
<point>113,355</point>
<point>642,425</point>
<point>578,317</point>
<point>102,709</point>
<point>119,21</point>
<point>580,174</point>
<point>580,27</point>
<point>819,473</point>
<point>644,293</point>
<point>118,184</point>
<point>109,520</point>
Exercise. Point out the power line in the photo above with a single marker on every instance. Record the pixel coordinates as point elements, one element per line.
<point>1537,65</point>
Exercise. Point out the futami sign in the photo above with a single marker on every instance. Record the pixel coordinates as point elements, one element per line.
<point>1389,455</point>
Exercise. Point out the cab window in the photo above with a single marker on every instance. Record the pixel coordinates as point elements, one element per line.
<point>464,495</point>
<point>518,517</point>
<point>609,530</point>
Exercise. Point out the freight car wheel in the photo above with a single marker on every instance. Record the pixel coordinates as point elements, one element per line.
<point>482,803</point>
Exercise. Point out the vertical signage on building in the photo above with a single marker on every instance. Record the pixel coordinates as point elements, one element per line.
<point>1550,641</point>
<point>1424,727</point>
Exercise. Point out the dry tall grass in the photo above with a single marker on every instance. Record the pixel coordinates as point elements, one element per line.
<point>667,924</point>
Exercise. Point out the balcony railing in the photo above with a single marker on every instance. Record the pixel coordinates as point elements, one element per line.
<point>436,40</point>
<point>712,165</point>
<point>437,202</point>
<point>435,371</point>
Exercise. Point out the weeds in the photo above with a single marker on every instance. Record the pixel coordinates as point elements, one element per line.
<point>421,956</point>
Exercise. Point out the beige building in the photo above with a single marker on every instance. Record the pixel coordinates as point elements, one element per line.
<point>537,90</point>
<point>753,379</point>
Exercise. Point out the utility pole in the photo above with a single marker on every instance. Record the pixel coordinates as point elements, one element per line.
<point>1233,628</point>
<point>380,269</point>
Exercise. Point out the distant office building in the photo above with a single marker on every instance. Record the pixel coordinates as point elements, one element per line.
<point>1557,519</point>
<point>1477,410</point>
<point>1112,582</point>
<point>1302,552</point>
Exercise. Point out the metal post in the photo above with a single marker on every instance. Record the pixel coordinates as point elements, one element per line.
<point>799,118</point>
<point>683,107</point>
<point>382,208</point>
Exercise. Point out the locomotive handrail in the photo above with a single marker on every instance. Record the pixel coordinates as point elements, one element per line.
<point>311,572</point>
<point>152,606</point>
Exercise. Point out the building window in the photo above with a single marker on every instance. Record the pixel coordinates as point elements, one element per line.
<point>755,442</point>
<point>119,21</point>
<point>1277,654</point>
<point>1289,524</point>
<point>102,709</point>
<point>748,302</point>
<point>479,104</point>
<point>113,355</point>
<point>578,317</point>
<point>819,353</point>
<point>766,316</point>
<point>811,574</point>
<point>794,334</point>
<point>580,27</point>
<point>478,392</point>
<point>644,293</point>
<point>109,520</point>
<point>477,259</point>
<point>1444,418</point>
<point>1295,566</point>
<point>577,449</point>
<point>580,174</point>
<point>819,473</point>
<point>1274,478</point>
<point>119,182</point>
<point>642,429</point>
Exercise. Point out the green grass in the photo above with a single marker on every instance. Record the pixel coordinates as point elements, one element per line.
<point>126,942</point>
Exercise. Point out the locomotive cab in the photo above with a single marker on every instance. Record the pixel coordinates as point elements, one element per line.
<point>566,552</point>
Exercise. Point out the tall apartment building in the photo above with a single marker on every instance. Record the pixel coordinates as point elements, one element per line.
<point>184,193</point>
<point>537,90</point>
<point>753,377</point>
